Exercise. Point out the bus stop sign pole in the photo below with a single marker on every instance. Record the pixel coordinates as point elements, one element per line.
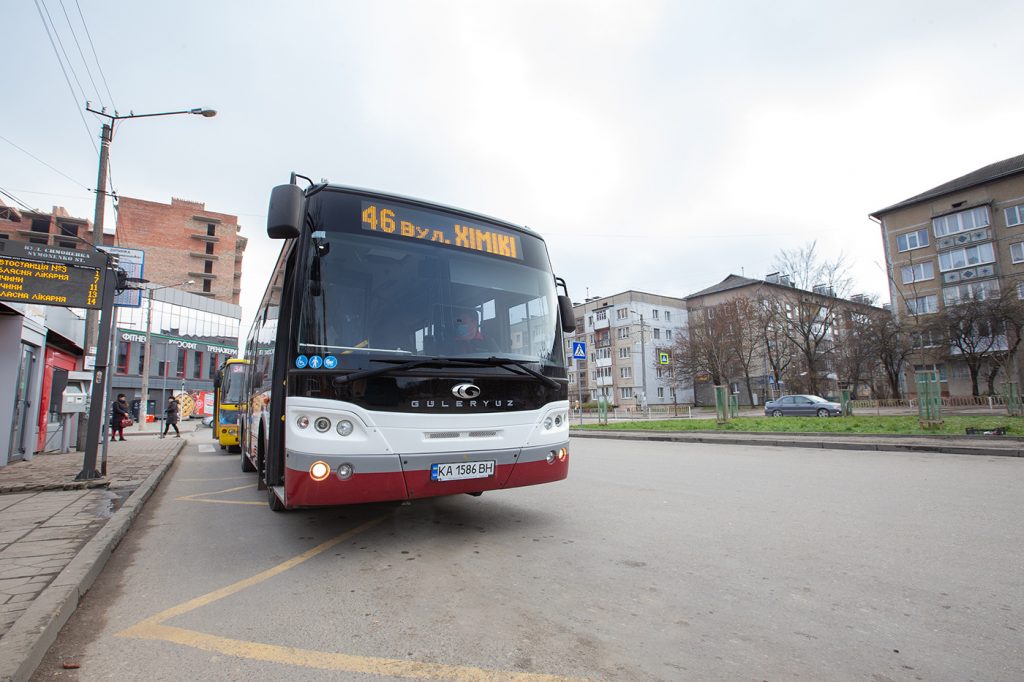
<point>97,409</point>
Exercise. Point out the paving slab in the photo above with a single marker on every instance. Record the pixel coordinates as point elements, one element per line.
<point>57,534</point>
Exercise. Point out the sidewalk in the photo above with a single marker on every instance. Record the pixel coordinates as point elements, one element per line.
<point>998,446</point>
<point>57,533</point>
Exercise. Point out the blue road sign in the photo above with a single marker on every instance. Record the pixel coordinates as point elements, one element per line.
<point>579,350</point>
<point>330,362</point>
<point>301,362</point>
<point>315,362</point>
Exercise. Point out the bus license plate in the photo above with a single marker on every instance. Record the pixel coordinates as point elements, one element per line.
<point>458,471</point>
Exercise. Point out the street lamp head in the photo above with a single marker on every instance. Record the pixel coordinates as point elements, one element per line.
<point>199,111</point>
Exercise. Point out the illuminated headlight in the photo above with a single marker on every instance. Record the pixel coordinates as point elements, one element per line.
<point>302,422</point>
<point>319,470</point>
<point>548,423</point>
<point>345,472</point>
<point>322,424</point>
<point>562,454</point>
<point>345,428</point>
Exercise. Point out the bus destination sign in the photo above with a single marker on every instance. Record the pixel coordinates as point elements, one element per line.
<point>29,276</point>
<point>441,228</point>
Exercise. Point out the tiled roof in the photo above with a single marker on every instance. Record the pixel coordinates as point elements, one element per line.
<point>994,171</point>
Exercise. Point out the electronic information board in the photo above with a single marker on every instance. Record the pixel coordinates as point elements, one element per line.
<point>46,275</point>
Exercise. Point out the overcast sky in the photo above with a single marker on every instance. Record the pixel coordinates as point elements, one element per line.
<point>657,146</point>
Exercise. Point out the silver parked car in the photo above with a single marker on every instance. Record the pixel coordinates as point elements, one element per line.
<point>802,406</point>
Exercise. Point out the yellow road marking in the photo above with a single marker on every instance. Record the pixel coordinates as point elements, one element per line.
<point>201,497</point>
<point>153,628</point>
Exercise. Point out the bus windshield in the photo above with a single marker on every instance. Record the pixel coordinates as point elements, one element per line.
<point>231,385</point>
<point>373,294</point>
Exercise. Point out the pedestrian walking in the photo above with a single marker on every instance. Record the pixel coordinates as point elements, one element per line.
<point>171,418</point>
<point>120,417</point>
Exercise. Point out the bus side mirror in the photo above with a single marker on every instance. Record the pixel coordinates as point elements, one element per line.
<point>216,381</point>
<point>568,318</point>
<point>284,217</point>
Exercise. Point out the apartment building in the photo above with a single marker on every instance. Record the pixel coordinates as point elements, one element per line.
<point>958,242</point>
<point>778,312</point>
<point>183,240</point>
<point>626,336</point>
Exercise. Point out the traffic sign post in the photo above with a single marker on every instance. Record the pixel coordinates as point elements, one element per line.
<point>579,352</point>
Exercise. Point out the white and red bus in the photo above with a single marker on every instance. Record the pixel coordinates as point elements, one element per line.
<point>403,350</point>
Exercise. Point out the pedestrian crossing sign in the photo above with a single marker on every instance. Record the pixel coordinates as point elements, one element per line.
<point>579,350</point>
<point>663,358</point>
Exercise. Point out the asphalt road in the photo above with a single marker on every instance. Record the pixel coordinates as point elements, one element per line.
<point>652,561</point>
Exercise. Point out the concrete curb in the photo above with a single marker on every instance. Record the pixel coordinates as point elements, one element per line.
<point>24,645</point>
<point>807,442</point>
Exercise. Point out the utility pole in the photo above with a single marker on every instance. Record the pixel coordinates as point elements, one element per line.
<point>91,316</point>
<point>643,367</point>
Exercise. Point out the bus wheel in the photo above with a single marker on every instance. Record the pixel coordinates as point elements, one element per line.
<point>274,501</point>
<point>247,466</point>
<point>261,463</point>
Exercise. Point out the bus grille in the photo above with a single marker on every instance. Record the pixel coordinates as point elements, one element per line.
<point>459,434</point>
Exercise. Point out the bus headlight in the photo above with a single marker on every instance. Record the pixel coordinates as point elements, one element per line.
<point>302,422</point>
<point>322,424</point>
<point>319,470</point>
<point>345,472</point>
<point>345,428</point>
<point>548,423</point>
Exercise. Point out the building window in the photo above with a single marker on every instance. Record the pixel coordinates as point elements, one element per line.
<point>912,240</point>
<point>972,291</point>
<point>622,333</point>
<point>621,314</point>
<point>207,286</point>
<point>661,392</point>
<point>209,248</point>
<point>197,365</point>
<point>1014,215</point>
<point>211,230</point>
<point>922,305</point>
<point>623,352</point>
<point>966,257</point>
<point>961,222</point>
<point>123,352</point>
<point>668,315</point>
<point>1017,252</point>
<point>181,363</point>
<point>625,372</point>
<point>657,333</point>
<point>918,272</point>
<point>626,392</point>
<point>939,369</point>
<point>926,339</point>
<point>208,267</point>
<point>655,314</point>
<point>668,334</point>
<point>602,314</point>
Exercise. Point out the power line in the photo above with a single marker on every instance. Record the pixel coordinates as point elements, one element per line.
<point>44,163</point>
<point>66,79</point>
<point>16,200</point>
<point>95,56</point>
<point>63,51</point>
<point>81,54</point>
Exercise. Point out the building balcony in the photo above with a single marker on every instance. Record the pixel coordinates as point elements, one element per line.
<point>601,324</point>
<point>964,239</point>
<point>603,381</point>
<point>203,275</point>
<point>204,237</point>
<point>603,362</point>
<point>970,274</point>
<point>205,256</point>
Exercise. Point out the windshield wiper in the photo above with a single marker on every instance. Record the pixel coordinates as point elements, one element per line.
<point>445,362</point>
<point>508,364</point>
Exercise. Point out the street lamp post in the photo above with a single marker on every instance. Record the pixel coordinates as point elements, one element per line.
<point>106,137</point>
<point>643,364</point>
<point>147,354</point>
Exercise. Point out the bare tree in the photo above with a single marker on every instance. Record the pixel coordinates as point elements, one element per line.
<point>890,341</point>
<point>806,315</point>
<point>703,348</point>
<point>856,358</point>
<point>743,337</point>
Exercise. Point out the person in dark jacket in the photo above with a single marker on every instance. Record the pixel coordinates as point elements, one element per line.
<point>171,418</point>
<point>119,412</point>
